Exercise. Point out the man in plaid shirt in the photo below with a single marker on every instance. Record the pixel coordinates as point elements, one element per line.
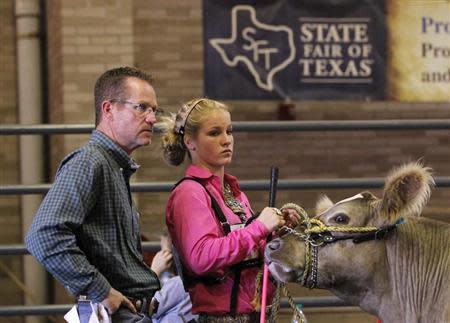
<point>86,231</point>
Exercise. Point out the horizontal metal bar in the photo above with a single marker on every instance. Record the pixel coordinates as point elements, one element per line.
<point>20,249</point>
<point>26,310</point>
<point>249,185</point>
<point>253,126</point>
<point>286,184</point>
<point>24,189</point>
<point>342,125</point>
<point>31,310</point>
<point>42,129</point>
<point>13,249</point>
<point>322,301</point>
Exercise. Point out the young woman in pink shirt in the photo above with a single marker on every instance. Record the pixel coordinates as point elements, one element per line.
<point>219,240</point>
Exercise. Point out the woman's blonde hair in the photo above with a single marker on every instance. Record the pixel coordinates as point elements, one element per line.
<point>187,121</point>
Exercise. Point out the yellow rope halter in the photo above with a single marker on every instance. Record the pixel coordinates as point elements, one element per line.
<point>318,226</point>
<point>312,226</point>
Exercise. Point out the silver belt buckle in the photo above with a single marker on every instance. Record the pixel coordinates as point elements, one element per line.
<point>153,307</point>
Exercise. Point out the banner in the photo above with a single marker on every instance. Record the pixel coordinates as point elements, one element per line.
<point>419,50</point>
<point>322,49</point>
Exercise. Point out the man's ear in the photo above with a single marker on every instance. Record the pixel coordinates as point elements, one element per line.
<point>106,109</point>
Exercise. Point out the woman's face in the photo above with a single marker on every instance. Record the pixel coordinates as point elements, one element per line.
<point>213,147</point>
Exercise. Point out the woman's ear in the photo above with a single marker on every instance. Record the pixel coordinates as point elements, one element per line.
<point>189,142</point>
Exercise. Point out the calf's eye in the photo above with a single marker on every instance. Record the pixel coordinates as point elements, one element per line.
<point>341,218</point>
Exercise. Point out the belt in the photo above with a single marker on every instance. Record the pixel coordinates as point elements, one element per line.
<point>145,305</point>
<point>227,318</point>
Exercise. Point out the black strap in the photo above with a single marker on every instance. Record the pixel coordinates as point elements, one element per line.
<point>237,280</point>
<point>237,268</point>
<point>252,218</point>
<point>217,210</point>
<point>189,281</point>
<point>179,267</point>
<point>235,290</point>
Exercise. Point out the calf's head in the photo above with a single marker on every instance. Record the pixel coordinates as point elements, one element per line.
<point>321,250</point>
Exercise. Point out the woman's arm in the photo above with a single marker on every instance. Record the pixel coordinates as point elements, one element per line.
<point>199,237</point>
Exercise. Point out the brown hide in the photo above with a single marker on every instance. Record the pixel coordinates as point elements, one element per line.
<point>404,278</point>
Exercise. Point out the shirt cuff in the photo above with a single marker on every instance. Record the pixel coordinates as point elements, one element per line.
<point>99,289</point>
<point>259,229</point>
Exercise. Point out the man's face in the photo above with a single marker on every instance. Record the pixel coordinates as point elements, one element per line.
<point>131,127</point>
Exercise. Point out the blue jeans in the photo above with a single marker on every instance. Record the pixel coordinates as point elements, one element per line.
<point>124,315</point>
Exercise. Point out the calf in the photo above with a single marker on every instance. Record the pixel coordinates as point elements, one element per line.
<point>374,253</point>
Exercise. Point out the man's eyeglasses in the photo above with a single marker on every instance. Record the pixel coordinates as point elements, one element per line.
<point>141,108</point>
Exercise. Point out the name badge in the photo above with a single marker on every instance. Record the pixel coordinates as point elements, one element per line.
<point>237,226</point>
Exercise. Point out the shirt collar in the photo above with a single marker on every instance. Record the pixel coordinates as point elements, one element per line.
<point>118,154</point>
<point>199,172</point>
<point>196,171</point>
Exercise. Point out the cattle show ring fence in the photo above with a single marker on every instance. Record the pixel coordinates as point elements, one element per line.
<point>255,185</point>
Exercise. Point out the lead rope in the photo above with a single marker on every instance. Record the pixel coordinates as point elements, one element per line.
<point>307,221</point>
<point>292,303</point>
<point>275,306</point>
<point>281,287</point>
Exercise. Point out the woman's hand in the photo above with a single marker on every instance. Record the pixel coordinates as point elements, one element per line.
<point>272,218</point>
<point>291,217</point>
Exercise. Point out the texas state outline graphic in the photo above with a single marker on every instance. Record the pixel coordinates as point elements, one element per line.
<point>261,70</point>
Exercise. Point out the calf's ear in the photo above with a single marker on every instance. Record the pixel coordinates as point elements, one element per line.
<point>323,203</point>
<point>406,191</point>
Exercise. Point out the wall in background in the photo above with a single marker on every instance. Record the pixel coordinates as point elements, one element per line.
<point>164,37</point>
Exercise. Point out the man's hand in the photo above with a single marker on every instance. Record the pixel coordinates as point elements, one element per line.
<point>115,299</point>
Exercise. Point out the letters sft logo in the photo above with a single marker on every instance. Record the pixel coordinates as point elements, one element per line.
<point>264,49</point>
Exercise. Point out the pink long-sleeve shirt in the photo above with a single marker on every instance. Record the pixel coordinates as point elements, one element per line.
<point>206,250</point>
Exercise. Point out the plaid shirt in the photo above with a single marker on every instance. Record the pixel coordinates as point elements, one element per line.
<point>86,231</point>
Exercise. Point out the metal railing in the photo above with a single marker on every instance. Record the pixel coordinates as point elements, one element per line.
<point>248,185</point>
<point>61,309</point>
<point>150,246</point>
<point>242,126</point>
<point>20,249</point>
<point>254,126</point>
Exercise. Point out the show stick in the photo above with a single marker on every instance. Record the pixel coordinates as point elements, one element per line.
<point>272,197</point>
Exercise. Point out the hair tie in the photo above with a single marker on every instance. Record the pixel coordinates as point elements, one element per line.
<point>183,115</point>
